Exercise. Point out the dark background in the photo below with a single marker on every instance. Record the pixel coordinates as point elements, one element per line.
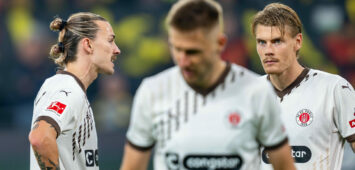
<point>25,40</point>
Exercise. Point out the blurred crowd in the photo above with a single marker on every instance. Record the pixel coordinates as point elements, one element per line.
<point>25,40</point>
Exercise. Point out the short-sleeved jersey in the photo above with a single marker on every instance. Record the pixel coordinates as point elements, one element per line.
<point>62,102</point>
<point>318,110</point>
<point>221,128</point>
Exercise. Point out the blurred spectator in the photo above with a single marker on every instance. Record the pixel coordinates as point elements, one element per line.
<point>334,15</point>
<point>339,45</point>
<point>113,104</point>
<point>147,48</point>
<point>27,76</point>
<point>235,51</point>
<point>350,9</point>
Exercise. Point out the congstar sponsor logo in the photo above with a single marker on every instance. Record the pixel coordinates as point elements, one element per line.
<point>301,154</point>
<point>212,162</point>
<point>194,162</point>
<point>91,157</point>
<point>172,161</point>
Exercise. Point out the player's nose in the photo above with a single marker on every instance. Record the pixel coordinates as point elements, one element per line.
<point>116,50</point>
<point>268,50</point>
<point>184,60</point>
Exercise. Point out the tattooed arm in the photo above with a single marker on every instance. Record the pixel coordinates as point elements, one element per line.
<point>43,140</point>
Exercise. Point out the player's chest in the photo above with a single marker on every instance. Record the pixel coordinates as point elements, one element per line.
<point>307,114</point>
<point>214,122</point>
<point>83,135</point>
<point>217,132</point>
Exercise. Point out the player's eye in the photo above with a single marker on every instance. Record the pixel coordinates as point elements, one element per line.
<point>276,41</point>
<point>261,42</point>
<point>175,49</point>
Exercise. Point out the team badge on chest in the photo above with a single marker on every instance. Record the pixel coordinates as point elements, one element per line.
<point>233,119</point>
<point>304,117</point>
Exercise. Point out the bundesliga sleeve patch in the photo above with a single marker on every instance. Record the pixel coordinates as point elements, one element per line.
<point>57,107</point>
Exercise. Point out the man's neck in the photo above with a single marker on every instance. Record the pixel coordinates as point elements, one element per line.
<point>217,71</point>
<point>212,81</point>
<point>283,80</point>
<point>82,70</point>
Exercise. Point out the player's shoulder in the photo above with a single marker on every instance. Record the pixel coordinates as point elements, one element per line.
<point>63,86</point>
<point>250,80</point>
<point>261,85</point>
<point>62,81</point>
<point>244,72</point>
<point>323,74</point>
<point>325,78</point>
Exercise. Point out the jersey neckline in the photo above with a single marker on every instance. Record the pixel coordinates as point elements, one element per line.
<point>76,78</point>
<point>293,85</point>
<point>205,92</point>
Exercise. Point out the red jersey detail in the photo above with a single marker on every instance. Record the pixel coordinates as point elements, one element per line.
<point>57,107</point>
<point>304,117</point>
<point>352,123</point>
<point>234,118</point>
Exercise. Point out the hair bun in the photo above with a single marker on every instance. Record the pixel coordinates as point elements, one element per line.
<point>62,25</point>
<point>61,47</point>
<point>58,24</point>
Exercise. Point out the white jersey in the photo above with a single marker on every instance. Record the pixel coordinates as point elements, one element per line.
<point>221,128</point>
<point>62,102</point>
<point>319,114</point>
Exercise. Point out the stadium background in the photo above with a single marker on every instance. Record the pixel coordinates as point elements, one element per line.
<point>25,39</point>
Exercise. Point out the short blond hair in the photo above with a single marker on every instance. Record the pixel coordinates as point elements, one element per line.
<point>279,15</point>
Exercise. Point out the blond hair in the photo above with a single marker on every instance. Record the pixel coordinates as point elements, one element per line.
<point>279,15</point>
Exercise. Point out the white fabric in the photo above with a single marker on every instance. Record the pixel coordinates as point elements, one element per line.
<point>76,122</point>
<point>330,102</point>
<point>220,130</point>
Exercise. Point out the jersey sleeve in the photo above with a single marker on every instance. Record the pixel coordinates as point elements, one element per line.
<point>139,134</point>
<point>57,109</point>
<point>344,97</point>
<point>271,130</point>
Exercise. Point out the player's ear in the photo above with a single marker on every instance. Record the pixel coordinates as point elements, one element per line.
<point>299,39</point>
<point>222,41</point>
<point>87,45</point>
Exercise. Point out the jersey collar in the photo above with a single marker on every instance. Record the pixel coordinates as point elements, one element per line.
<point>293,85</point>
<point>76,78</point>
<point>220,80</point>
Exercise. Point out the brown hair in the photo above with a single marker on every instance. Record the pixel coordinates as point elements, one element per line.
<point>79,25</point>
<point>188,15</point>
<point>279,15</point>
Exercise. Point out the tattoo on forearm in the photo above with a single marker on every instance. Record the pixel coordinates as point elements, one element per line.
<point>55,166</point>
<point>35,126</point>
<point>40,162</point>
<point>42,165</point>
